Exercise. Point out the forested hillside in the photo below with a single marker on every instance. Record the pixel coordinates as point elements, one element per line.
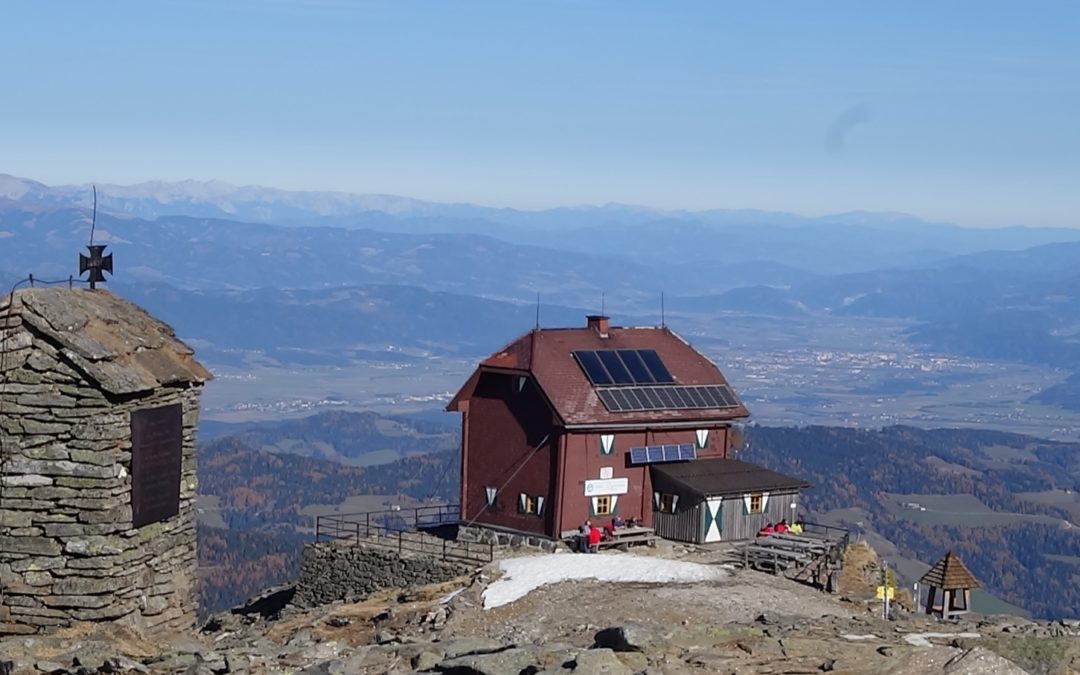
<point>1004,502</point>
<point>1016,535</point>
<point>260,497</point>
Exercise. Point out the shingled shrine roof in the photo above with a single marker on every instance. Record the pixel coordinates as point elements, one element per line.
<point>113,342</point>
<point>949,574</point>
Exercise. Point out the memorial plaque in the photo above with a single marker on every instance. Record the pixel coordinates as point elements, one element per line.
<point>157,438</point>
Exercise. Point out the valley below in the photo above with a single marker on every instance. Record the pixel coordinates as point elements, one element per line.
<point>816,369</point>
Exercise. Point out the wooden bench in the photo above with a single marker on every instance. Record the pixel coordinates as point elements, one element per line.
<point>793,542</point>
<point>779,557</point>
<point>624,537</point>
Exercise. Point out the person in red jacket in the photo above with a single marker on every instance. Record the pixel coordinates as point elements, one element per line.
<point>594,539</point>
<point>781,527</point>
<point>766,531</point>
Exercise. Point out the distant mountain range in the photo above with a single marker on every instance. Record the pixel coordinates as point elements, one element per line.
<point>849,242</point>
<point>339,325</point>
<point>373,270</point>
<point>1010,305</point>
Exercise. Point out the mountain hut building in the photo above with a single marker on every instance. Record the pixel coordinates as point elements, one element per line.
<point>572,424</point>
<point>98,407</point>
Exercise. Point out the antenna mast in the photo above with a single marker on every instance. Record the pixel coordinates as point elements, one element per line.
<point>93,217</point>
<point>663,321</point>
<point>97,263</point>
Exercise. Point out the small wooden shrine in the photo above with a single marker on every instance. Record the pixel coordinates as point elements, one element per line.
<point>950,583</point>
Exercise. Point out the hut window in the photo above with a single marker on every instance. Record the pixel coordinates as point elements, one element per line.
<point>603,506</point>
<point>666,503</point>
<point>529,503</point>
<point>757,502</point>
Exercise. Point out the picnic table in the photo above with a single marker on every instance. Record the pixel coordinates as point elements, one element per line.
<point>624,537</point>
<point>778,557</point>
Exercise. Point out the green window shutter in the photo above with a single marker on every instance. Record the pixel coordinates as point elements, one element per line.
<point>539,506</point>
<point>521,502</point>
<point>592,506</point>
<point>614,505</point>
<point>656,501</point>
<point>746,505</point>
<point>607,444</point>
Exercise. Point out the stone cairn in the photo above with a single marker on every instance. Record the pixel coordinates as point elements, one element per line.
<point>75,365</point>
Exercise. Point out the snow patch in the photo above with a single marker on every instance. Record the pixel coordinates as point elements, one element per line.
<point>848,636</point>
<point>526,574</point>
<point>923,639</point>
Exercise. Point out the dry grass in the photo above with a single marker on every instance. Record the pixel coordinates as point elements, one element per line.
<point>361,615</point>
<point>862,571</point>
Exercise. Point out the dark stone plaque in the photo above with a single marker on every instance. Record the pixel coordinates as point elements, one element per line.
<point>157,437</point>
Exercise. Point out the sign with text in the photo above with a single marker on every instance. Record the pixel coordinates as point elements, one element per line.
<point>610,486</point>
<point>157,438</point>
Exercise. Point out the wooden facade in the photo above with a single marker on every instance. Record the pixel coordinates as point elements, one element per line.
<point>519,449</point>
<point>543,451</point>
<point>689,521</point>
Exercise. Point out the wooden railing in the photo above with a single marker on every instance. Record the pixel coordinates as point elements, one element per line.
<point>839,535</point>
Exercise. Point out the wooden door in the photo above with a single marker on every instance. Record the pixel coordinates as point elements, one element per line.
<point>713,510</point>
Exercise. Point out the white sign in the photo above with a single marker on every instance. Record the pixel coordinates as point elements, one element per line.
<point>609,486</point>
<point>606,472</point>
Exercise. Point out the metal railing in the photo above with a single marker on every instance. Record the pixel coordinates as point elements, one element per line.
<point>404,531</point>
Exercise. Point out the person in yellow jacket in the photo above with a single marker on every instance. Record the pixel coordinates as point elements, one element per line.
<point>796,527</point>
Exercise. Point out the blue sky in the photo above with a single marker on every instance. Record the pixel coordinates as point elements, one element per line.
<point>960,111</point>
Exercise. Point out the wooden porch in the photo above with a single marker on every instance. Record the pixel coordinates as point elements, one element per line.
<point>814,557</point>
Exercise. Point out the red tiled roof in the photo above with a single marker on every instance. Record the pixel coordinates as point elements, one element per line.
<point>547,355</point>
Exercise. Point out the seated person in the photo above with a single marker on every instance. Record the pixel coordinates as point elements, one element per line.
<point>617,522</point>
<point>609,531</point>
<point>766,531</point>
<point>594,539</point>
<point>796,527</point>
<point>781,527</point>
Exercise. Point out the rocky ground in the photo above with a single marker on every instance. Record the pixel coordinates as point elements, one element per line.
<point>747,622</point>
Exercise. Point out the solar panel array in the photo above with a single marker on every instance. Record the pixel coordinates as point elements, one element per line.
<point>623,366</point>
<point>630,399</point>
<point>651,454</point>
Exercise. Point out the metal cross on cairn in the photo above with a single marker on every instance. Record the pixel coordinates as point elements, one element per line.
<point>96,263</point>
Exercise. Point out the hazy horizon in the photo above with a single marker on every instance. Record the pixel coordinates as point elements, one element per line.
<point>957,113</point>
<point>538,209</point>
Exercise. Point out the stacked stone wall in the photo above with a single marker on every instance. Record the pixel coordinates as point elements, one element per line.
<point>506,539</point>
<point>333,571</point>
<point>68,550</point>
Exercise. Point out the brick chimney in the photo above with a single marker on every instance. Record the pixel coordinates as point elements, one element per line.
<point>598,323</point>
